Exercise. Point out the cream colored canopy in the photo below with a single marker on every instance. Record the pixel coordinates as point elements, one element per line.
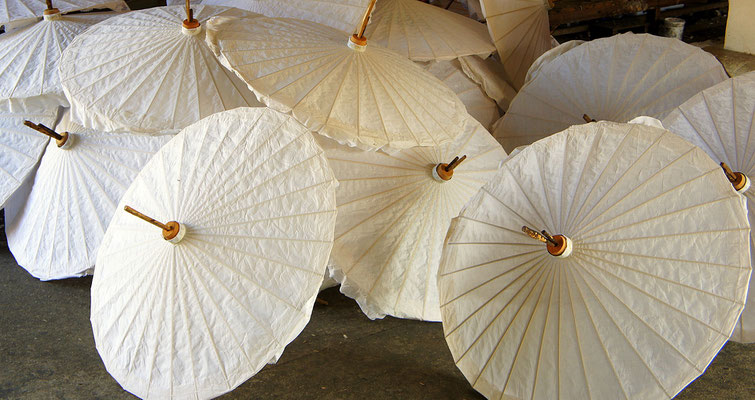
<point>423,32</point>
<point>144,72</point>
<point>359,95</point>
<point>393,213</point>
<point>720,121</point>
<point>642,298</point>
<point>613,79</point>
<point>549,56</point>
<point>194,317</point>
<point>30,10</point>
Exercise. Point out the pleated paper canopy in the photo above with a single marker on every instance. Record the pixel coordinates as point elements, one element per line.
<point>720,121</point>
<point>55,229</point>
<point>343,15</point>
<point>642,298</point>
<point>143,72</point>
<point>423,32</point>
<point>613,79</point>
<point>549,56</point>
<point>478,104</point>
<point>20,147</point>
<point>254,198</point>
<point>366,96</point>
<point>21,10</point>
<point>521,33</point>
<point>29,59</point>
<point>393,215</point>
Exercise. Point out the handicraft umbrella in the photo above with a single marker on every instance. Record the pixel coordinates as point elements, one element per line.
<point>28,11</point>
<point>55,232</point>
<point>393,213</point>
<point>343,15</point>
<point>614,79</point>
<point>720,121</point>
<point>29,59</point>
<point>146,71</point>
<point>194,309</point>
<point>639,287</point>
<point>478,104</point>
<point>521,33</point>
<point>549,56</point>
<point>344,88</point>
<point>423,32</point>
<point>20,148</point>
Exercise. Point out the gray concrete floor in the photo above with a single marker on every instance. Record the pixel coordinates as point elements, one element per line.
<point>47,352</point>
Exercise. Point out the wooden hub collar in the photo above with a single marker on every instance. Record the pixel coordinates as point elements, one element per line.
<point>559,248</point>
<point>169,234</point>
<point>440,169</point>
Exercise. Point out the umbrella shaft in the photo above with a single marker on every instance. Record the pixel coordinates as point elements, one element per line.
<point>365,19</point>
<point>146,218</point>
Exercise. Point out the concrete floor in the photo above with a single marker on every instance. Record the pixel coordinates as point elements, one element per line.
<point>47,352</point>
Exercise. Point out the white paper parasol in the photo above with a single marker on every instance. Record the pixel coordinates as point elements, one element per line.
<point>56,231</point>
<point>29,59</point>
<point>254,201</point>
<point>423,32</point>
<point>393,213</point>
<point>146,72</point>
<point>521,33</point>
<point>478,104</point>
<point>649,279</point>
<point>15,11</point>
<point>613,79</point>
<point>720,121</point>
<point>358,94</point>
<point>343,15</point>
<point>549,56</point>
<point>20,148</point>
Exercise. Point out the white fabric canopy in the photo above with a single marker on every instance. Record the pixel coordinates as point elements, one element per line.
<point>29,10</point>
<point>549,56</point>
<point>423,32</point>
<point>393,216</point>
<point>521,33</point>
<point>488,73</point>
<point>56,231</point>
<point>20,147</point>
<point>194,319</point>
<point>478,104</point>
<point>143,72</point>
<point>613,79</point>
<point>368,97</point>
<point>654,284</point>
<point>343,15</point>
<point>720,121</point>
<point>29,60</point>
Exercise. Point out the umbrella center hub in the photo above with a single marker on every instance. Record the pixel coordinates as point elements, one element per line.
<point>65,142</point>
<point>191,28</point>
<point>562,249</point>
<point>176,232</point>
<point>357,43</point>
<point>441,174</point>
<point>51,14</point>
<point>741,183</point>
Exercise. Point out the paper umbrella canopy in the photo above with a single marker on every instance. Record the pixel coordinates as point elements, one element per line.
<point>423,32</point>
<point>31,10</point>
<point>393,213</point>
<point>613,79</point>
<point>55,227</point>
<point>29,59</point>
<point>194,310</point>
<point>20,147</point>
<point>641,286</point>
<point>360,95</point>
<point>720,121</point>
<point>145,72</point>
<point>343,15</point>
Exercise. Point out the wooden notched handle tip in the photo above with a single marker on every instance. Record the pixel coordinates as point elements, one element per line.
<point>587,118</point>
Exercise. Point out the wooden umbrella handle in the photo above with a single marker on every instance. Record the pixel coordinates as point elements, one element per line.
<point>146,218</point>
<point>44,130</point>
<point>365,20</point>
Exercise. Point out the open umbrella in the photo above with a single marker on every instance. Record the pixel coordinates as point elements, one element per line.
<point>148,72</point>
<point>521,33</point>
<point>720,121</point>
<point>478,104</point>
<point>24,12</point>
<point>344,88</point>
<point>613,79</point>
<point>29,59</point>
<point>640,281</point>
<point>393,213</point>
<point>423,32</point>
<point>20,148</point>
<point>549,56</point>
<point>343,15</point>
<point>194,308</point>
<point>54,233</point>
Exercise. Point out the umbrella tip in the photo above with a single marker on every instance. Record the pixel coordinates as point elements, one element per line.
<point>443,172</point>
<point>737,179</point>
<point>587,118</point>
